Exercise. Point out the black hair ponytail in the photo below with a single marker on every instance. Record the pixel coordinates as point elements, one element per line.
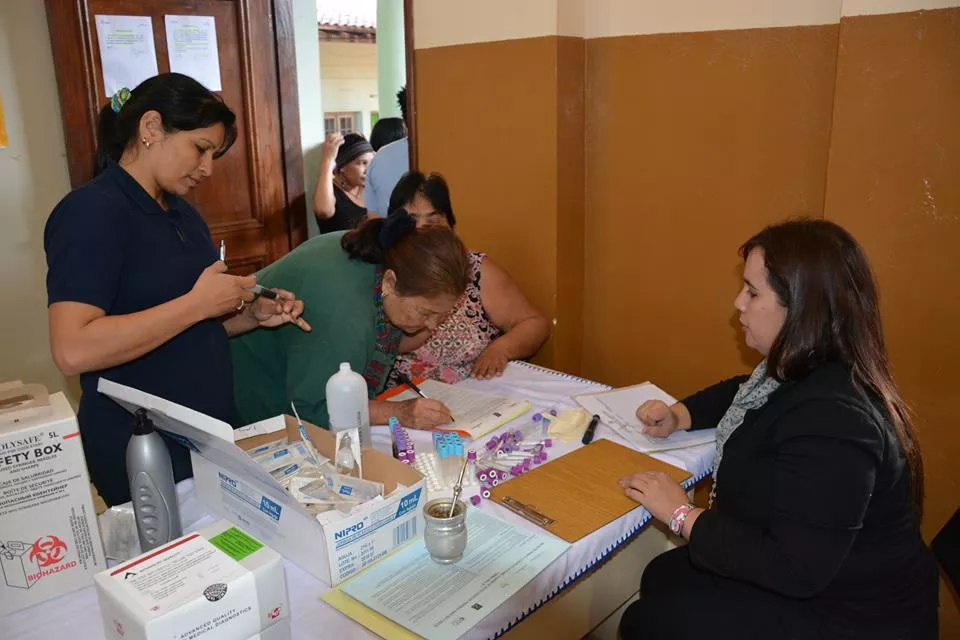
<point>183,104</point>
<point>363,243</point>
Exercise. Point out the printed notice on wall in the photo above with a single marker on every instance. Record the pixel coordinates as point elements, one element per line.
<point>127,52</point>
<point>192,44</point>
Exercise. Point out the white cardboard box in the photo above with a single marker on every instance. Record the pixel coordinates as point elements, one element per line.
<point>235,487</point>
<point>49,539</point>
<point>215,584</point>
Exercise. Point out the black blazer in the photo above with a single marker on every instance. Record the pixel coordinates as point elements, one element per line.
<point>813,503</point>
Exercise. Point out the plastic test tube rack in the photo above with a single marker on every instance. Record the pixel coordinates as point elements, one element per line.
<point>439,468</point>
<point>442,467</point>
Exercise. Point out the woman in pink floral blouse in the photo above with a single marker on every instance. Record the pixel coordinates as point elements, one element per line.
<point>491,324</point>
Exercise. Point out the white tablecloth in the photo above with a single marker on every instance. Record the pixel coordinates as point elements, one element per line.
<point>77,615</point>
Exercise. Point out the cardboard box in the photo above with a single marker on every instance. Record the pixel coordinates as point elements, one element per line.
<point>215,584</point>
<point>234,487</point>
<point>49,539</point>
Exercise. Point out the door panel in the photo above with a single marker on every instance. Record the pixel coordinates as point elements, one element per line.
<point>247,202</point>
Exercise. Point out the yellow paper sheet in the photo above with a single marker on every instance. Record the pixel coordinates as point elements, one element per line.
<point>380,625</point>
<point>3,127</point>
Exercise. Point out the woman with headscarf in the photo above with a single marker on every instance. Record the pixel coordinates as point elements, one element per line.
<point>338,198</point>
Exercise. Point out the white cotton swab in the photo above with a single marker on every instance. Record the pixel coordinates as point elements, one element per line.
<point>303,436</point>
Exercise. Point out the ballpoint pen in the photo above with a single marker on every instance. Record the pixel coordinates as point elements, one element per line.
<point>404,379</point>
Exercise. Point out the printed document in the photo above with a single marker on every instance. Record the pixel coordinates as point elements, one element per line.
<point>443,601</point>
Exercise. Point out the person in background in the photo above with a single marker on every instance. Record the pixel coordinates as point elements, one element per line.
<point>492,323</point>
<point>387,130</point>
<point>814,530</point>
<point>338,200</point>
<point>135,288</point>
<point>364,290</point>
<point>391,162</point>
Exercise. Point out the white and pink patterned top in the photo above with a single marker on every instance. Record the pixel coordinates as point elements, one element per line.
<point>448,355</point>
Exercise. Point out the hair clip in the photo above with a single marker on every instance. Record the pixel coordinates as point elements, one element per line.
<point>119,99</point>
<point>396,225</point>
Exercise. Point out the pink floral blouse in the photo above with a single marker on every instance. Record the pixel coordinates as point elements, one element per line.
<point>448,355</point>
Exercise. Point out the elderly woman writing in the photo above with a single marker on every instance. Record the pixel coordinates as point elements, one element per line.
<point>363,290</point>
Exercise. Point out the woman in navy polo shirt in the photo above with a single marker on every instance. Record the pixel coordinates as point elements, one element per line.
<point>135,289</point>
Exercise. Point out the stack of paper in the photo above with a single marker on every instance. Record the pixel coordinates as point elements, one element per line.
<point>408,592</point>
<point>618,410</point>
<point>475,413</point>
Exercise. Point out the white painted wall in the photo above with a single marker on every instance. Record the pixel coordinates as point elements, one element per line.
<point>310,95</point>
<point>348,73</point>
<point>33,178</point>
<point>877,7</point>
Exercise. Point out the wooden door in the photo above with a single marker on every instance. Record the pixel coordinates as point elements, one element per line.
<point>254,200</point>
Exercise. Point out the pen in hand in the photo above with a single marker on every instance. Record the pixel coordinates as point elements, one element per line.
<point>255,289</point>
<point>405,379</point>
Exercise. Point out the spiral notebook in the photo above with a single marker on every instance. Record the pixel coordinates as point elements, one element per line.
<point>475,413</point>
<point>556,374</point>
<point>617,410</point>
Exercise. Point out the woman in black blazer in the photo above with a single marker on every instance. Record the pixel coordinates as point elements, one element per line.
<point>813,530</point>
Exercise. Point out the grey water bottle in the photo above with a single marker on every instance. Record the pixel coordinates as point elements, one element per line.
<point>152,488</point>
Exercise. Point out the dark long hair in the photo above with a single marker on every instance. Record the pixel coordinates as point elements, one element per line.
<point>183,104</point>
<point>821,275</point>
<point>427,262</point>
<point>387,130</point>
<point>433,187</point>
<point>402,102</point>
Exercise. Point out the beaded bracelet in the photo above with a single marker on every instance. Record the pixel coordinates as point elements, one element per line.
<point>679,517</point>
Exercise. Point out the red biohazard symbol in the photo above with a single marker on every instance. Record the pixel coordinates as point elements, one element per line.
<point>48,550</point>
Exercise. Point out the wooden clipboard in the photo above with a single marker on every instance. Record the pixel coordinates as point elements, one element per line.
<point>578,493</point>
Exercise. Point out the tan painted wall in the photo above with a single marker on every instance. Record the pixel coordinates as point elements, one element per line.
<point>487,118</point>
<point>691,142</point>
<point>894,181</point>
<point>694,142</point>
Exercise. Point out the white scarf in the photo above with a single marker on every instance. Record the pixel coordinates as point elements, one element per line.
<point>751,395</point>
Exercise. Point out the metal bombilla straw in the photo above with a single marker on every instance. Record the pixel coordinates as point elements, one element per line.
<point>457,488</point>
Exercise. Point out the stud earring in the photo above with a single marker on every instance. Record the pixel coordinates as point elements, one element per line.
<point>146,142</point>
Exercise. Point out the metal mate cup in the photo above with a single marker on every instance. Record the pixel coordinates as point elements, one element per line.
<point>445,538</point>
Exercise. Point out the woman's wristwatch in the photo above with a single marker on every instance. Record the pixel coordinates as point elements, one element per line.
<point>679,517</point>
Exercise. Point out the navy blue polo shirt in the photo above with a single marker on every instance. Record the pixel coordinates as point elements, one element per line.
<point>110,245</point>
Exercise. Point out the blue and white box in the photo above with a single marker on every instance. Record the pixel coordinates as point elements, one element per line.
<point>235,487</point>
